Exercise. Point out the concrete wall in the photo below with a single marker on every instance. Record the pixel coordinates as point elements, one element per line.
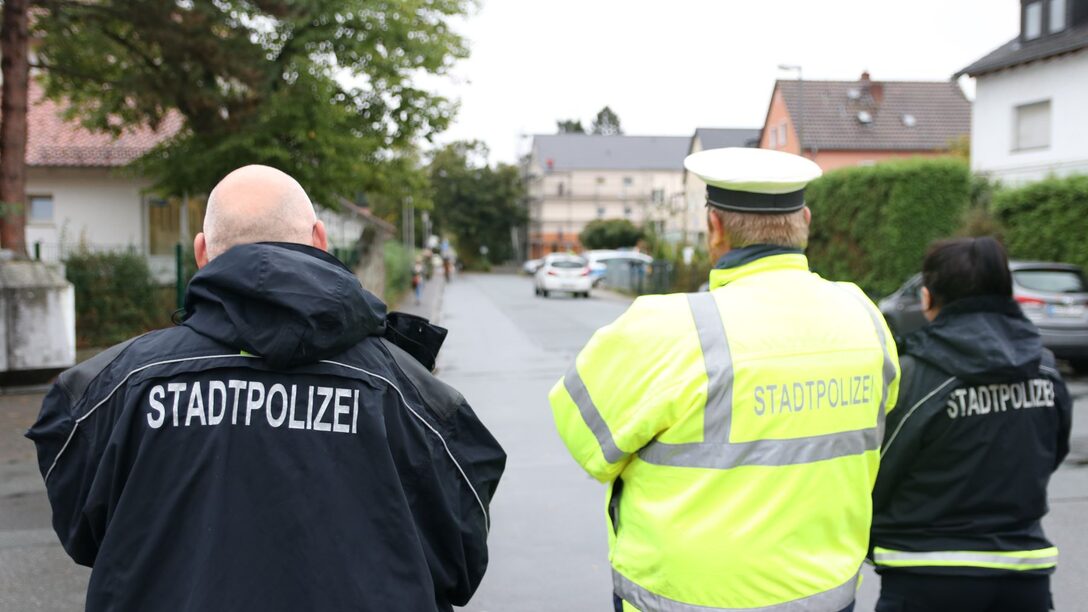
<point>98,206</point>
<point>37,319</point>
<point>1062,80</point>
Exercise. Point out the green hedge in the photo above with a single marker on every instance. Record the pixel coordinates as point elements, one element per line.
<point>116,297</point>
<point>871,225</point>
<point>1046,220</point>
<point>398,272</point>
<point>610,234</point>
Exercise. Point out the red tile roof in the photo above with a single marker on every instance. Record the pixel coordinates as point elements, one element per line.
<point>902,115</point>
<point>54,142</point>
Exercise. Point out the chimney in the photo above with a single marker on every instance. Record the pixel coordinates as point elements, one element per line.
<point>871,90</point>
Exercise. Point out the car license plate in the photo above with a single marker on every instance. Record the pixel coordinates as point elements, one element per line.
<point>1065,311</point>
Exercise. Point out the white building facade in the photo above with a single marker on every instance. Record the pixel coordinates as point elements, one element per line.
<point>573,179</point>
<point>1029,118</point>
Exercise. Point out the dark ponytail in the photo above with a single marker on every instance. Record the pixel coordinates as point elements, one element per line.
<point>966,267</point>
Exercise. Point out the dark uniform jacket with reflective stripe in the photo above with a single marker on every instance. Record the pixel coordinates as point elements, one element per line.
<point>983,420</point>
<point>271,453</point>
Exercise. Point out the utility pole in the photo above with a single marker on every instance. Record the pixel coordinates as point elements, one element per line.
<point>408,227</point>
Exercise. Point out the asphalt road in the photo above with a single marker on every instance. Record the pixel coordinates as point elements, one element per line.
<point>548,545</point>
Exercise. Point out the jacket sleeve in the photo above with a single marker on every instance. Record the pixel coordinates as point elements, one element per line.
<point>628,384</point>
<point>903,434</point>
<point>454,490</point>
<point>1063,403</point>
<point>70,455</point>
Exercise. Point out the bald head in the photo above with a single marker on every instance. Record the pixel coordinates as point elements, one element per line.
<point>257,204</point>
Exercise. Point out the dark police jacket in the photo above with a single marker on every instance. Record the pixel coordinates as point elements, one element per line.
<point>270,453</point>
<point>982,421</point>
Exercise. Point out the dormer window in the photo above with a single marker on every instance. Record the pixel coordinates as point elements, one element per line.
<point>1057,16</point>
<point>1033,20</point>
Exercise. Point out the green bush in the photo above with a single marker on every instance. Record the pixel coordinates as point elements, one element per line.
<point>610,234</point>
<point>116,297</point>
<point>1046,220</point>
<point>871,225</point>
<point>398,272</point>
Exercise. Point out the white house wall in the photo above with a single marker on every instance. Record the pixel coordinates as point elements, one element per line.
<point>95,206</point>
<point>1062,80</point>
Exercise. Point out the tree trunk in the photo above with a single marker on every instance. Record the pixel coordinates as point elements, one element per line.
<point>14,37</point>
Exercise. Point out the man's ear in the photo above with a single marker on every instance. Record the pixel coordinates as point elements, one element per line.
<point>319,238</point>
<point>200,250</point>
<point>808,215</point>
<point>717,240</point>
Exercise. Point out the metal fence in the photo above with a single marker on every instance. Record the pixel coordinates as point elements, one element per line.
<point>639,278</point>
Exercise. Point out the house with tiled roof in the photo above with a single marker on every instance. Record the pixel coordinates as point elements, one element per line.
<point>1031,94</point>
<point>576,178</point>
<point>850,123</point>
<point>79,191</point>
<point>82,193</point>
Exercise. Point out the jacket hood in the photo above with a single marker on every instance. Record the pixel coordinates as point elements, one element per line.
<point>981,339</point>
<point>288,303</point>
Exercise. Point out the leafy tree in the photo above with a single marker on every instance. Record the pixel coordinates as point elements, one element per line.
<point>570,126</point>
<point>475,203</point>
<point>321,89</point>
<point>607,123</point>
<point>610,234</point>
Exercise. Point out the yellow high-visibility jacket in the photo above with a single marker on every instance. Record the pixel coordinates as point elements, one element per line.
<point>740,431</point>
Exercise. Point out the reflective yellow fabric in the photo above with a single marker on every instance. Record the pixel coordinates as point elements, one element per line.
<point>761,497</point>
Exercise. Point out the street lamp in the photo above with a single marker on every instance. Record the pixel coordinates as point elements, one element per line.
<point>801,94</point>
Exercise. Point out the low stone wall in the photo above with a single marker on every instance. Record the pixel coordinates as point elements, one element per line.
<point>37,320</point>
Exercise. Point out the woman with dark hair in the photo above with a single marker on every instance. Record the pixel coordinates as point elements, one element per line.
<point>982,420</point>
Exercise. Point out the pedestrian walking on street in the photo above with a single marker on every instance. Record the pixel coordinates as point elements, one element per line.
<point>984,421</point>
<point>738,430</point>
<point>417,281</point>
<point>273,452</point>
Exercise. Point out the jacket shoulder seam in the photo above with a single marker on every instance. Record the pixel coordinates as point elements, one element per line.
<point>912,410</point>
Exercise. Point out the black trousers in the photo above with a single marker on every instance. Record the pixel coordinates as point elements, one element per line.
<point>902,592</point>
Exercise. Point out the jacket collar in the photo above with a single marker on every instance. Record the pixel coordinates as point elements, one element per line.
<point>755,259</point>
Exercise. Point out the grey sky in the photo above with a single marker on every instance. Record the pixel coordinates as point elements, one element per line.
<point>667,67</point>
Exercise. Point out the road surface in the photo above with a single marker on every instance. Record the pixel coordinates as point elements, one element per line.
<point>548,545</point>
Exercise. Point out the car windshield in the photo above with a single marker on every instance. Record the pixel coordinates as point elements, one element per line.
<point>1050,280</point>
<point>568,264</point>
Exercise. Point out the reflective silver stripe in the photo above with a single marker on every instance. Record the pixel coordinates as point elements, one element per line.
<point>889,364</point>
<point>718,362</point>
<point>578,392</point>
<point>961,558</point>
<point>763,452</point>
<point>87,415</point>
<point>647,601</point>
<point>716,451</point>
<point>895,434</point>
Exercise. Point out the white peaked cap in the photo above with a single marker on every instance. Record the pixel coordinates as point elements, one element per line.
<point>753,180</point>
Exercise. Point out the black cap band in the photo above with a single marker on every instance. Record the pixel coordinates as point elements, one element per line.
<point>758,203</point>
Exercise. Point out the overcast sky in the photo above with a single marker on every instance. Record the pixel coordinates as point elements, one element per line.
<point>669,66</point>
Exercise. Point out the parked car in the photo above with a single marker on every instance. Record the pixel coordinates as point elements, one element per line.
<point>1053,295</point>
<point>567,273</point>
<point>530,267</point>
<point>601,259</point>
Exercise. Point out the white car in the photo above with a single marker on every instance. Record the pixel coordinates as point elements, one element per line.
<point>566,273</point>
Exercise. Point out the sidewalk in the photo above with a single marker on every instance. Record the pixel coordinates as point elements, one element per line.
<point>430,303</point>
